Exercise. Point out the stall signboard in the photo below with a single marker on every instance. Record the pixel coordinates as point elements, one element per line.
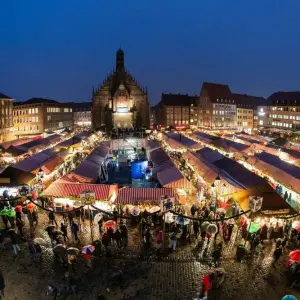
<point>255,203</point>
<point>87,197</point>
<point>167,203</point>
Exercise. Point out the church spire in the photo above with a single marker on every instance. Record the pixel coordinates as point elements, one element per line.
<point>120,61</point>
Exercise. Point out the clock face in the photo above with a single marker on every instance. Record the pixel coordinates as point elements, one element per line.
<point>121,87</point>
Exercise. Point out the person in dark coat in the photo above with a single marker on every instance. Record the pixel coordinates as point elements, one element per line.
<point>14,241</point>
<point>277,254</point>
<point>196,228</point>
<point>117,237</point>
<point>75,229</point>
<point>52,218</point>
<point>106,241</point>
<point>263,235</point>
<point>70,217</point>
<point>64,230</point>
<point>20,225</point>
<point>124,233</point>
<point>2,283</point>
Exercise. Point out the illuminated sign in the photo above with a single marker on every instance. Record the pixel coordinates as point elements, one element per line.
<point>122,109</point>
<point>261,112</point>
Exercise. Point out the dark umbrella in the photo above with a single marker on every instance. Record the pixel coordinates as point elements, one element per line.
<point>49,228</point>
<point>60,248</point>
<point>73,251</point>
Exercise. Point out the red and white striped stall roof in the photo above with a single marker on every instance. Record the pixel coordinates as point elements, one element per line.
<point>65,190</point>
<point>134,195</point>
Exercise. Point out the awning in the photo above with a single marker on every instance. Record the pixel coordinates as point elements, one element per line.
<point>51,164</point>
<point>134,195</point>
<point>59,189</point>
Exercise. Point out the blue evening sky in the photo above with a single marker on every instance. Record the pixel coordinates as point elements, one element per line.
<point>59,49</point>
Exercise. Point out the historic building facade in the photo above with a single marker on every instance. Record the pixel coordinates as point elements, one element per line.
<point>120,102</point>
<point>6,119</point>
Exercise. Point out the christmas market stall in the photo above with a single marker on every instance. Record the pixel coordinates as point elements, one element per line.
<point>136,200</point>
<point>67,194</point>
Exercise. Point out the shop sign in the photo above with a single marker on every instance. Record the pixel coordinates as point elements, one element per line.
<point>167,203</point>
<point>255,203</point>
<point>87,198</point>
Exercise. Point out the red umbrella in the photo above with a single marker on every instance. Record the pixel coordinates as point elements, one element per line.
<point>110,224</point>
<point>18,208</point>
<point>297,229</point>
<point>295,255</point>
<point>30,206</point>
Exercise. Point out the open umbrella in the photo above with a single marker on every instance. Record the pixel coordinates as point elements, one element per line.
<point>11,213</point>
<point>253,227</point>
<point>204,225</point>
<point>154,209</point>
<point>182,221</point>
<point>30,206</point>
<point>73,251</point>
<point>18,208</point>
<point>212,228</point>
<point>289,297</point>
<point>110,224</point>
<point>88,249</point>
<point>40,241</point>
<point>59,248</point>
<point>296,224</point>
<point>3,212</point>
<point>295,255</point>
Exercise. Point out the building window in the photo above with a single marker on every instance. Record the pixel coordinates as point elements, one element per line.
<point>261,122</point>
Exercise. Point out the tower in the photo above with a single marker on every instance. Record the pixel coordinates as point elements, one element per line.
<point>120,61</point>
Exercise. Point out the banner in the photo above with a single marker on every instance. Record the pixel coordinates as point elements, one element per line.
<point>255,203</point>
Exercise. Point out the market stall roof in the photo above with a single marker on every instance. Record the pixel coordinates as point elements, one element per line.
<point>34,143</point>
<point>65,190</point>
<point>241,174</point>
<point>53,138</point>
<point>87,171</point>
<point>181,139</point>
<point>248,139</point>
<point>153,145</point>
<point>172,178</point>
<point>206,135</point>
<point>35,161</point>
<point>158,156</point>
<point>16,142</point>
<point>280,164</point>
<point>51,164</point>
<point>229,145</point>
<point>15,151</point>
<point>13,176</point>
<point>165,165</point>
<point>133,195</point>
<point>209,154</point>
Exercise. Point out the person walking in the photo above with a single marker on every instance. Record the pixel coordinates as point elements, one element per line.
<point>173,241</point>
<point>196,229</point>
<point>20,225</point>
<point>70,217</point>
<point>277,254</point>
<point>124,232</point>
<point>159,238</point>
<point>64,230</point>
<point>53,291</point>
<point>75,229</point>
<point>106,241</point>
<point>15,241</point>
<point>117,237</point>
<point>100,225</point>
<point>52,218</point>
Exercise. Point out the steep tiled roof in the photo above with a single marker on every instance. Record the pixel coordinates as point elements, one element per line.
<point>179,99</point>
<point>243,100</point>
<point>3,96</point>
<point>216,90</point>
<point>285,98</point>
<point>36,100</point>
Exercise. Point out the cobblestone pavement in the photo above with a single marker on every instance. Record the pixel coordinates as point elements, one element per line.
<point>176,276</point>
